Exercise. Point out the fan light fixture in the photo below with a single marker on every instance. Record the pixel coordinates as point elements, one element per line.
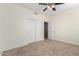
<point>50,6</point>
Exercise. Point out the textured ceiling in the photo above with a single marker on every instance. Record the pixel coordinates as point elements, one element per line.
<point>39,8</point>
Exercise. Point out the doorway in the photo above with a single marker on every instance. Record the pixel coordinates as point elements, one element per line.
<point>45,30</point>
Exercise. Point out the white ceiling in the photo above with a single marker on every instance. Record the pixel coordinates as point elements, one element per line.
<point>39,8</point>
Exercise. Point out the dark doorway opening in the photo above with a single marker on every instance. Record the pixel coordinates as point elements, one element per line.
<point>45,30</point>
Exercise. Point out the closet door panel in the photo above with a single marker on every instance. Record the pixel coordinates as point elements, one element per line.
<point>27,31</point>
<point>39,30</point>
<point>31,31</point>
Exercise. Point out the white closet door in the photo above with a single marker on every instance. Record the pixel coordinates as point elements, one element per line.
<point>31,30</point>
<point>28,30</point>
<point>39,30</point>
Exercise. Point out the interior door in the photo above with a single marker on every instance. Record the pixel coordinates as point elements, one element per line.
<point>28,30</point>
<point>31,31</point>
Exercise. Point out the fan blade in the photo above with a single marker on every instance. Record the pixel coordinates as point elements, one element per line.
<point>58,3</point>
<point>53,9</point>
<point>45,9</point>
<point>42,3</point>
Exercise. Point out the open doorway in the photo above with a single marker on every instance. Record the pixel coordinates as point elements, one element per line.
<point>45,30</point>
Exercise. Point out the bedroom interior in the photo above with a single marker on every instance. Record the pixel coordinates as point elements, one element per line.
<point>39,29</point>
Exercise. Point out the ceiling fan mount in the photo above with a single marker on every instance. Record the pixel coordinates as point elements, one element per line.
<point>50,6</point>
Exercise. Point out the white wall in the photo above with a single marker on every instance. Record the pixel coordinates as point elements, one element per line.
<point>19,26</point>
<point>66,26</point>
<point>0,28</point>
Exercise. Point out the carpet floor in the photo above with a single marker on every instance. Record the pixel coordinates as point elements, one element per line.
<point>45,48</point>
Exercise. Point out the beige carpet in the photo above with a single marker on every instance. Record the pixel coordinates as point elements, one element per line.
<point>45,48</point>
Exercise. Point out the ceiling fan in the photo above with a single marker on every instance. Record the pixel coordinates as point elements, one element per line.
<point>50,6</point>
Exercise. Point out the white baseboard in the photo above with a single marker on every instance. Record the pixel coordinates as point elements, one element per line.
<point>68,41</point>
